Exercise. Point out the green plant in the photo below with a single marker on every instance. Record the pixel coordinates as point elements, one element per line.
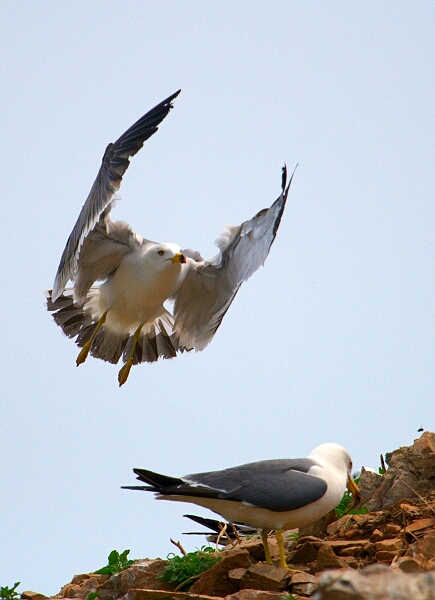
<point>116,563</point>
<point>185,569</point>
<point>344,508</point>
<point>293,537</point>
<point>92,595</point>
<point>290,597</point>
<point>7,593</point>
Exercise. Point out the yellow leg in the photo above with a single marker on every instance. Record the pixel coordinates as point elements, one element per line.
<point>264,533</point>
<point>83,355</point>
<point>125,370</point>
<point>279,539</point>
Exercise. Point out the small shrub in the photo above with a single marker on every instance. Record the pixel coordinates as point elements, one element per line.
<point>116,563</point>
<point>185,569</point>
<point>345,503</point>
<point>7,593</point>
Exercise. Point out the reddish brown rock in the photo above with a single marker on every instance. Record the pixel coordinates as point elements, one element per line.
<point>411,473</point>
<point>351,533</point>
<point>376,536</point>
<point>254,547</point>
<point>164,595</point>
<point>81,585</point>
<point>369,549</point>
<point>420,524</point>
<point>353,563</point>
<point>335,527</point>
<point>144,576</point>
<point>320,527</point>
<point>408,565</point>
<point>385,557</point>
<point>326,559</point>
<point>409,510</point>
<point>353,551</point>
<point>255,595</point>
<point>87,585</point>
<point>358,525</point>
<point>392,530</point>
<point>236,575</point>
<point>215,581</point>
<point>303,555</point>
<point>75,591</point>
<point>29,595</point>
<point>424,547</point>
<point>261,577</point>
<point>391,545</point>
<point>340,545</point>
<point>368,484</point>
<point>303,584</point>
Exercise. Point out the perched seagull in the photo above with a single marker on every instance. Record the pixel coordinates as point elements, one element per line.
<point>271,494</point>
<point>125,315</point>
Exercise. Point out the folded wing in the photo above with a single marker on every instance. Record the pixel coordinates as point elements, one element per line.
<point>276,485</point>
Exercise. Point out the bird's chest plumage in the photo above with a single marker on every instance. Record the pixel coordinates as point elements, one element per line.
<point>139,287</point>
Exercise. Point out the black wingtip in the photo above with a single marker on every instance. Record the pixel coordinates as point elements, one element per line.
<point>284,179</point>
<point>172,97</point>
<point>157,480</point>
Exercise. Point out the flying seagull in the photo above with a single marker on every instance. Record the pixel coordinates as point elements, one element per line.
<point>124,315</point>
<point>271,494</point>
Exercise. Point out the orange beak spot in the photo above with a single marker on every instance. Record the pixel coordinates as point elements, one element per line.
<point>178,258</point>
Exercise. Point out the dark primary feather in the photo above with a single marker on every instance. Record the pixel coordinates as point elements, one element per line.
<point>115,163</point>
<point>157,480</point>
<point>216,526</point>
<point>233,531</point>
<point>277,485</point>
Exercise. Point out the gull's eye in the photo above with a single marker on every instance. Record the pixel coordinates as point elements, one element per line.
<point>160,252</point>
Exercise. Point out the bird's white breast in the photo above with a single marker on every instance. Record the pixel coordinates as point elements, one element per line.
<point>139,287</point>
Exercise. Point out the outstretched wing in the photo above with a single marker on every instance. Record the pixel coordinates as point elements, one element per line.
<point>210,286</point>
<point>98,203</point>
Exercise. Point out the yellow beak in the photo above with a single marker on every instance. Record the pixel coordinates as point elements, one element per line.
<point>178,258</point>
<point>352,487</point>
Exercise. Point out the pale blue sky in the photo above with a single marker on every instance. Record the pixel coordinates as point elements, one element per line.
<point>331,341</point>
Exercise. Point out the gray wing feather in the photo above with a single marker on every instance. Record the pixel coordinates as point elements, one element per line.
<point>293,490</point>
<point>277,485</point>
<point>115,163</point>
<point>210,286</point>
<point>101,253</point>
